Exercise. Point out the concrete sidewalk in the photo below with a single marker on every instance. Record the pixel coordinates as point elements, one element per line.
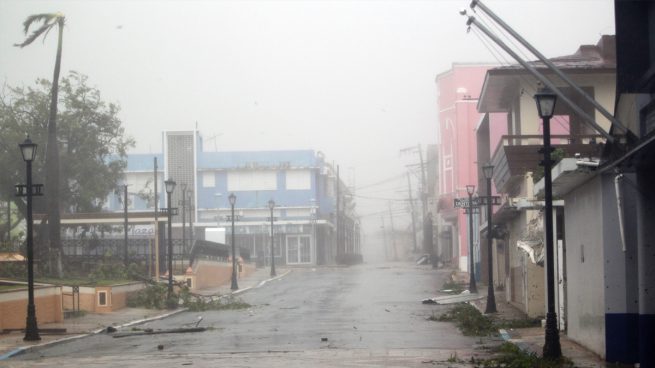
<point>91,323</point>
<point>532,339</point>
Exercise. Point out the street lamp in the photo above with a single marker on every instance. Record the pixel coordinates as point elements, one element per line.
<point>28,150</point>
<point>184,186</point>
<point>271,205</point>
<point>545,107</point>
<point>488,171</point>
<point>170,187</point>
<point>234,286</point>
<point>470,189</point>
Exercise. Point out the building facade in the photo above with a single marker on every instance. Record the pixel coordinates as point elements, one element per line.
<point>458,92</point>
<point>310,226</point>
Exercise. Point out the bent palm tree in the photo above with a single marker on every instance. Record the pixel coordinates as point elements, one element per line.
<point>50,21</point>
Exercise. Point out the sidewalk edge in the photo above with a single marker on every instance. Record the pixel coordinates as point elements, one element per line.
<point>25,349</point>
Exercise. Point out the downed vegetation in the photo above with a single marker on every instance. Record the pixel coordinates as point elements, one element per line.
<point>509,355</point>
<point>154,296</point>
<point>471,322</point>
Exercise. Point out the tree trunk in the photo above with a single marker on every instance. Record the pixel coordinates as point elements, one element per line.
<point>52,165</point>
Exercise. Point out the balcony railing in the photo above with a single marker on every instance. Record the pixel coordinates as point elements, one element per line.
<point>516,155</point>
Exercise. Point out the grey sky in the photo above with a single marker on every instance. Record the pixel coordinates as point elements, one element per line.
<point>354,79</point>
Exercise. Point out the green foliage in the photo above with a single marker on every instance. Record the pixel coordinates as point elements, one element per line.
<point>471,322</point>
<point>468,319</point>
<point>510,356</point>
<point>226,302</point>
<point>152,297</point>
<point>92,142</point>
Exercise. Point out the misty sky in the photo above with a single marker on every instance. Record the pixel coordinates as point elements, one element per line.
<point>354,79</point>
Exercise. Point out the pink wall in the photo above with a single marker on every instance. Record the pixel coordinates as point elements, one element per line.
<point>458,91</point>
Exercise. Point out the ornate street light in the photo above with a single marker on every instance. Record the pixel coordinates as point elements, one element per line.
<point>235,286</point>
<point>184,186</point>
<point>470,189</point>
<point>488,171</point>
<point>546,107</point>
<point>28,150</point>
<point>170,187</point>
<point>271,205</point>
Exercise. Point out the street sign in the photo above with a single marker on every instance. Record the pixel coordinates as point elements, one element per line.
<point>495,200</point>
<point>464,202</point>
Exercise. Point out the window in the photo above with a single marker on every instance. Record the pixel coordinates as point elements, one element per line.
<point>251,180</point>
<point>299,180</point>
<point>208,179</point>
<point>102,298</point>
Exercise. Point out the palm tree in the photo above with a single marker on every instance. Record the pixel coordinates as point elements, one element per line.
<point>48,22</point>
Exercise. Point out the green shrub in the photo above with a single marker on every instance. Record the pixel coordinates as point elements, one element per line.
<point>152,297</point>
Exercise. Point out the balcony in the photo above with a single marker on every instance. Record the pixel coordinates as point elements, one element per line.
<point>516,155</point>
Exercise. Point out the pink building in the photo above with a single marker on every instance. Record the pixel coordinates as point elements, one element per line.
<point>458,92</point>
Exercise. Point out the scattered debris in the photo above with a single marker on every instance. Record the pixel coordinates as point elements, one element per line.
<point>151,332</point>
<point>424,259</point>
<point>199,320</point>
<point>386,310</point>
<point>464,296</point>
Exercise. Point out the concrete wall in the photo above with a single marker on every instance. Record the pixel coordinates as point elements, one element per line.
<point>525,284</point>
<point>585,293</point>
<point>13,306</point>
<point>211,274</point>
<point>89,298</point>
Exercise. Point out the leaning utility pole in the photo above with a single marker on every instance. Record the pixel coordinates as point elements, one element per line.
<point>411,204</point>
<point>393,235</point>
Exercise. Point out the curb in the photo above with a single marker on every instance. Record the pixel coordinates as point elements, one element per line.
<point>25,349</point>
<point>262,283</point>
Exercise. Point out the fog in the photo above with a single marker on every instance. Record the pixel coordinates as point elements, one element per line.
<point>353,79</point>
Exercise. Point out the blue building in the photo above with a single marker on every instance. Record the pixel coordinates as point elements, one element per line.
<point>310,226</point>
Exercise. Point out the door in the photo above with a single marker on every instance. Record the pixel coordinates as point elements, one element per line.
<point>299,249</point>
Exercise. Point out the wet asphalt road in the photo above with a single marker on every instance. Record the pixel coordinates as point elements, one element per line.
<point>366,315</point>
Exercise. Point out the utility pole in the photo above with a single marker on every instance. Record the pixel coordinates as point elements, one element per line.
<point>384,240</point>
<point>411,203</point>
<point>156,223</point>
<point>393,234</point>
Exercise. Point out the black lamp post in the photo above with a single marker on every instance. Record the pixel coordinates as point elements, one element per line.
<point>234,286</point>
<point>271,205</point>
<point>125,226</point>
<point>28,150</point>
<point>170,187</point>
<point>470,189</point>
<point>546,106</point>
<point>184,186</point>
<point>488,171</point>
